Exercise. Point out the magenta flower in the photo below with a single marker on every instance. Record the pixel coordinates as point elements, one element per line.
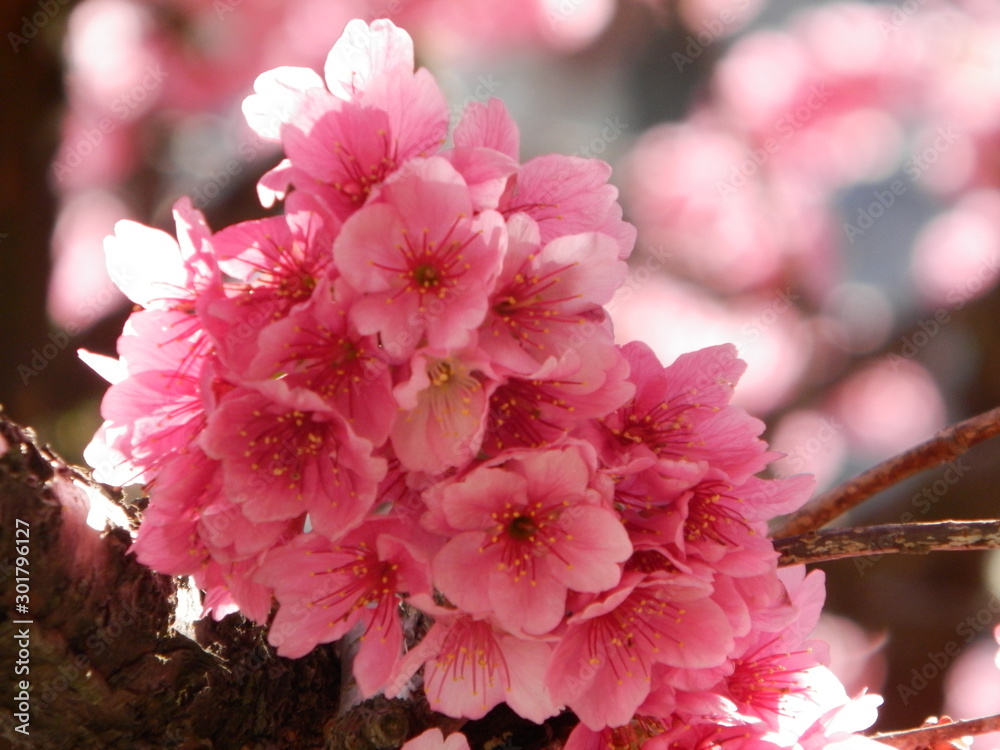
<point>565,195</point>
<point>528,527</point>
<point>602,667</point>
<point>697,512</point>
<point>154,407</point>
<point>488,125</point>
<point>283,454</point>
<point>470,666</point>
<point>342,143</point>
<point>633,734</point>
<point>191,526</point>
<point>325,590</point>
<point>771,683</point>
<point>709,735</point>
<point>839,728</point>
<point>443,410</point>
<point>536,409</point>
<point>156,271</point>
<point>158,407</point>
<point>421,260</point>
<point>168,539</point>
<point>278,261</point>
<point>682,412</point>
<point>229,587</point>
<point>343,150</point>
<point>549,298</point>
<point>317,348</point>
<point>569,195</point>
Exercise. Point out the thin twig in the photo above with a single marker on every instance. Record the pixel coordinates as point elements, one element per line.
<point>925,737</point>
<point>950,442</point>
<point>893,538</point>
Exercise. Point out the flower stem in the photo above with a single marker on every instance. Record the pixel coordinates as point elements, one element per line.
<point>947,444</point>
<point>902,538</point>
<point>929,737</point>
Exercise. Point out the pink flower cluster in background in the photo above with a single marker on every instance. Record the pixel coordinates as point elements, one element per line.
<point>784,204</point>
<point>402,398</point>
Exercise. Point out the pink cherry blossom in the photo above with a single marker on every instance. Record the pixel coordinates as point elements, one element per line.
<point>152,268</point>
<point>530,527</point>
<point>363,53</point>
<point>190,523</point>
<point>377,114</point>
<point>544,293</point>
<point>470,666</point>
<point>708,735</point>
<point>488,125</point>
<point>168,539</point>
<point>229,587</point>
<point>681,412</point>
<point>442,410</point>
<point>602,667</point>
<point>698,512</point>
<point>278,262</point>
<point>342,150</point>
<point>325,589</point>
<point>585,382</point>
<point>421,260</point>
<point>317,348</point>
<point>839,728</point>
<point>159,407</point>
<point>569,195</point>
<point>396,411</point>
<point>284,454</point>
<point>633,734</point>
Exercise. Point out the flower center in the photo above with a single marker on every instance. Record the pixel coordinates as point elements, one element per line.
<point>439,373</point>
<point>522,528</point>
<point>426,276</point>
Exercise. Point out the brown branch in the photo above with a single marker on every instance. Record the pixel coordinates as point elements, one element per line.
<point>949,443</point>
<point>893,538</point>
<point>928,737</point>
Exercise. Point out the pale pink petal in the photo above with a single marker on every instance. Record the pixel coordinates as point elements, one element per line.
<point>277,96</point>
<point>433,739</point>
<point>364,52</point>
<point>111,369</point>
<point>488,125</point>
<point>145,263</point>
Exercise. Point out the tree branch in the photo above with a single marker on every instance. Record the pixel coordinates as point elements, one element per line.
<point>949,443</point>
<point>928,737</point>
<point>887,539</point>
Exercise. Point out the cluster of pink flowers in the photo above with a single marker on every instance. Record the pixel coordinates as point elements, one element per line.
<point>405,389</point>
